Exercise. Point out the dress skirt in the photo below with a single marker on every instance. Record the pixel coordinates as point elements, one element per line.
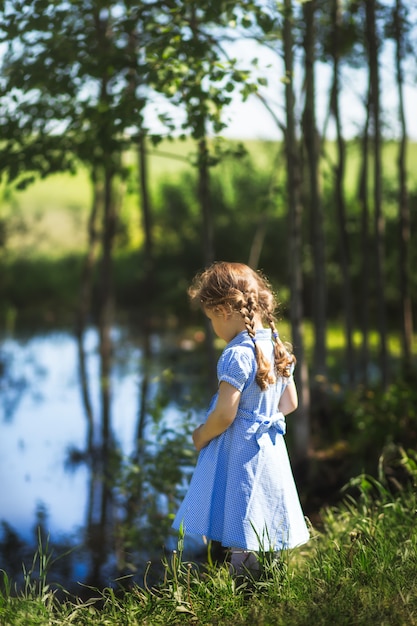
<point>242,492</point>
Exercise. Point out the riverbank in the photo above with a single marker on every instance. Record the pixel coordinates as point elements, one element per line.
<point>360,569</point>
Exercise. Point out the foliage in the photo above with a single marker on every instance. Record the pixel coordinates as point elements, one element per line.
<point>380,418</point>
<point>81,105</point>
<point>146,488</point>
<point>40,267</point>
<point>190,67</point>
<point>359,568</point>
<point>106,63</point>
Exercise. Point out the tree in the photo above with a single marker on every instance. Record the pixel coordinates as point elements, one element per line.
<point>373,47</point>
<point>399,32</point>
<point>365,248</point>
<point>339,42</point>
<point>313,195</point>
<point>302,424</point>
<point>200,78</point>
<point>79,109</point>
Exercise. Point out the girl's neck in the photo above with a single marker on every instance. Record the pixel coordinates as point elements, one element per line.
<point>238,323</point>
<point>228,324</point>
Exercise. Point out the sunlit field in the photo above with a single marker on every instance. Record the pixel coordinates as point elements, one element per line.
<point>50,216</point>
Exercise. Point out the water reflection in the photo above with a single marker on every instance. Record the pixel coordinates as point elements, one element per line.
<point>102,488</point>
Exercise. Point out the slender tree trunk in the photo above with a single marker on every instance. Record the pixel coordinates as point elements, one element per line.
<point>258,241</point>
<point>340,196</point>
<point>103,134</point>
<point>365,247</point>
<point>101,476</point>
<point>302,423</point>
<point>208,244</point>
<point>403,204</point>
<point>84,305</point>
<point>379,223</point>
<point>262,227</point>
<point>204,199</point>
<point>135,502</point>
<point>99,499</point>
<point>311,140</point>
<point>149,292</point>
<point>203,192</point>
<point>146,213</point>
<point>106,307</point>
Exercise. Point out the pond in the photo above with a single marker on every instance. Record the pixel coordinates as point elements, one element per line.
<point>101,507</point>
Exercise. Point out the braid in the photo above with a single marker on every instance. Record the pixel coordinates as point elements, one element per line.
<point>264,378</point>
<point>247,311</point>
<point>234,287</point>
<point>283,358</point>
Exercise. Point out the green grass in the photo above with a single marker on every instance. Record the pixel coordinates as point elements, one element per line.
<point>359,568</point>
<point>354,163</point>
<point>43,229</point>
<point>50,216</point>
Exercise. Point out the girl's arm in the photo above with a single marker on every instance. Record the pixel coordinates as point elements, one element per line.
<point>220,418</point>
<point>289,399</point>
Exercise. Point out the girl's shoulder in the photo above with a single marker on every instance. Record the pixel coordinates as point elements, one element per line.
<point>241,346</point>
<point>244,351</point>
<point>237,365</point>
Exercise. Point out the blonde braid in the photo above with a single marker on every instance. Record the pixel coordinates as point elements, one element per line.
<point>236,287</point>
<point>247,311</point>
<point>283,359</point>
<point>263,377</point>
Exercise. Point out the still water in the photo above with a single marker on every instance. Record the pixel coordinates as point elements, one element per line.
<point>43,429</point>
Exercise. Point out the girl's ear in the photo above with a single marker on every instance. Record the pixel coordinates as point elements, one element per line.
<point>223,312</point>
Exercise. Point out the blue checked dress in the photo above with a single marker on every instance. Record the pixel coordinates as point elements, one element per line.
<point>242,492</point>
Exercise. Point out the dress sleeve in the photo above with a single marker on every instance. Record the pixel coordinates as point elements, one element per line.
<point>236,367</point>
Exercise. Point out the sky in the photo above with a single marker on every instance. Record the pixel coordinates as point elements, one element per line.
<point>251,120</point>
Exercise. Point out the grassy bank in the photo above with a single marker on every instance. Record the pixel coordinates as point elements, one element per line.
<point>360,569</point>
<point>43,229</point>
<point>50,216</point>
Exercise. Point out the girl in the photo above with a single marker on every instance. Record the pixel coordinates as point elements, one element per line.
<point>242,492</point>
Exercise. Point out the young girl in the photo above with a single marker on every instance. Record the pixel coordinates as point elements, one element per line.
<point>242,492</point>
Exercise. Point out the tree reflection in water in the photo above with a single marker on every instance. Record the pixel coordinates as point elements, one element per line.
<point>131,492</point>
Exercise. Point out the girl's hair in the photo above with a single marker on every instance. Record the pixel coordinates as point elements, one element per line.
<point>236,287</point>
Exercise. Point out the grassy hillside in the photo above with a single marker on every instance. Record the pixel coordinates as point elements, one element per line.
<point>358,568</point>
<point>49,218</point>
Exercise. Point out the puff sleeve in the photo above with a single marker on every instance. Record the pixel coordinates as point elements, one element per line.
<point>237,367</point>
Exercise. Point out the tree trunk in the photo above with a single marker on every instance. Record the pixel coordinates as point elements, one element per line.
<point>311,140</point>
<point>258,241</point>
<point>146,214</point>
<point>302,422</point>
<point>379,224</point>
<point>208,245</point>
<point>84,305</point>
<point>340,196</point>
<point>365,247</point>
<point>135,500</point>
<point>106,307</point>
<point>204,199</point>
<point>262,226</point>
<point>149,283</point>
<point>97,529</point>
<point>104,137</point>
<point>403,204</point>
